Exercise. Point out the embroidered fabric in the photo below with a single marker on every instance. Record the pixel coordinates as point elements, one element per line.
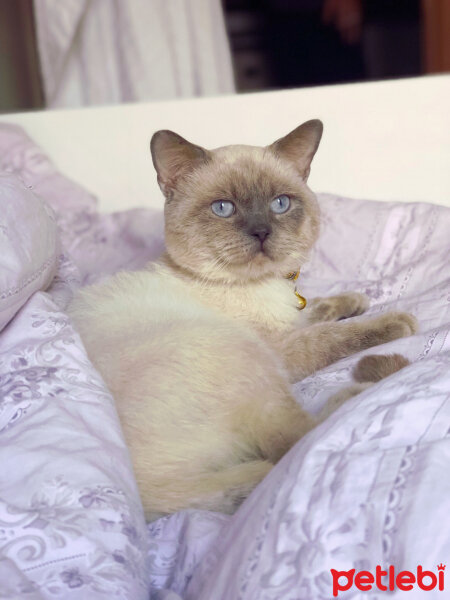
<point>367,487</point>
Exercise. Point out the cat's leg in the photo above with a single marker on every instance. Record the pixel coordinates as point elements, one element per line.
<point>264,430</point>
<point>307,350</point>
<point>368,371</point>
<point>221,490</point>
<point>338,307</point>
<point>279,425</point>
<point>375,367</point>
<point>270,427</point>
<point>341,397</point>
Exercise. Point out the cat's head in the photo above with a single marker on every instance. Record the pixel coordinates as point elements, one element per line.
<point>238,212</point>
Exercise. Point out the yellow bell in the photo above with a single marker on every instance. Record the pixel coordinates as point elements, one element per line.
<point>293,275</point>
<point>301,301</point>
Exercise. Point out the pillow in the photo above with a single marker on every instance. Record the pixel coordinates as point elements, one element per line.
<point>27,246</point>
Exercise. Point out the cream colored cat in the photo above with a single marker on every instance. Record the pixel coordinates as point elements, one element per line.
<point>200,348</point>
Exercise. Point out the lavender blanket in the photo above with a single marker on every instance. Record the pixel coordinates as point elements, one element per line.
<point>369,487</point>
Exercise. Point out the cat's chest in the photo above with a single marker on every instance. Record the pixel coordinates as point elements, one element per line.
<point>269,304</point>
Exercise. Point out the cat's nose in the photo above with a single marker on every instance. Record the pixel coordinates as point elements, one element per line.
<point>260,232</point>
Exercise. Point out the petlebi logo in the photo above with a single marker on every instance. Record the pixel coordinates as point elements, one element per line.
<point>388,580</point>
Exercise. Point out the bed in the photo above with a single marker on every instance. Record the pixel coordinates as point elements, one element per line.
<point>78,201</point>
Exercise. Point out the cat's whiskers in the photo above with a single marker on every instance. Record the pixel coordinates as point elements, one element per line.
<point>207,271</point>
<point>216,266</point>
<point>222,264</point>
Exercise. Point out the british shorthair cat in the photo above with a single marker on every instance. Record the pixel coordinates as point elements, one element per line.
<point>199,349</point>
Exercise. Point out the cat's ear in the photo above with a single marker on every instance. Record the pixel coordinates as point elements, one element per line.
<point>300,145</point>
<point>173,157</point>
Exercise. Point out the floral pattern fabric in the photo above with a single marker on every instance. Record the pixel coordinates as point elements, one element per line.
<point>367,487</point>
<point>71,522</point>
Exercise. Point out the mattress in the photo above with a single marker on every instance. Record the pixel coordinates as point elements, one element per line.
<point>368,487</point>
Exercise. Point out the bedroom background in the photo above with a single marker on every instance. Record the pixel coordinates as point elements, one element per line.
<point>74,53</point>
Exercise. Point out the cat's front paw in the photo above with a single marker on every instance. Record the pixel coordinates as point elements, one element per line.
<point>389,327</point>
<point>339,307</point>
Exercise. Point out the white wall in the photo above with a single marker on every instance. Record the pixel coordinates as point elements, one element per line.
<point>383,140</point>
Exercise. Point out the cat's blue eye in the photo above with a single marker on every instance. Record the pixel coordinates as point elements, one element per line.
<point>223,208</point>
<point>280,204</point>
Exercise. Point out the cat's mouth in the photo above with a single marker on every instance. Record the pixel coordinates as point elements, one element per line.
<point>262,251</point>
<point>259,256</point>
<point>253,259</point>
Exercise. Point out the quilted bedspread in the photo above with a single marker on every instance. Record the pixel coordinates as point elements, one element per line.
<point>370,486</point>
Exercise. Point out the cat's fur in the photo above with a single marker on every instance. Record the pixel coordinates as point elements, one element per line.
<point>200,348</point>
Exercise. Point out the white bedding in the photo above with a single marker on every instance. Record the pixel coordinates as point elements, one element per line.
<point>28,246</point>
<point>369,486</point>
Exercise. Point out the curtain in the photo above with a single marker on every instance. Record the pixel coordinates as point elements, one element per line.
<point>112,51</point>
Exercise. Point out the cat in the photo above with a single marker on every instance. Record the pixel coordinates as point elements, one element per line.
<point>200,348</point>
